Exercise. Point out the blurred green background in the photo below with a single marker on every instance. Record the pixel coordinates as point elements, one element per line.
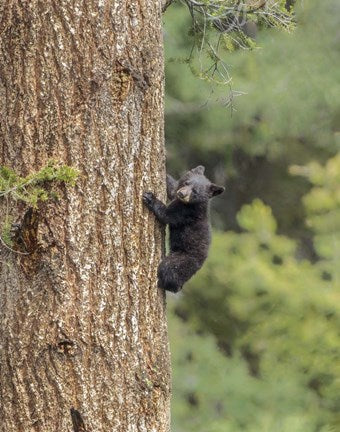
<point>255,334</point>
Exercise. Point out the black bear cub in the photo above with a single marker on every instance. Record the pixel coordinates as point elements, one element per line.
<point>188,219</point>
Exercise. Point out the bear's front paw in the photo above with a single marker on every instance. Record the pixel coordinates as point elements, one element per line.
<point>148,198</point>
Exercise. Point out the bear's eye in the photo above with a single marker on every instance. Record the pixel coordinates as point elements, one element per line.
<point>186,183</point>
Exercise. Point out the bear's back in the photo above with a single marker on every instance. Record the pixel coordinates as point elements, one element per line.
<point>192,232</point>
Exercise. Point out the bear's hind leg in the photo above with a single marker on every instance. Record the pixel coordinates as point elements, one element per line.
<point>174,270</point>
<point>167,275</point>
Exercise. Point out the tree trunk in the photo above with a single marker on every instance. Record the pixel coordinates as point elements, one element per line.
<point>83,338</point>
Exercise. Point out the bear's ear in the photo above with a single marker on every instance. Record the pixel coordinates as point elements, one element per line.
<point>215,190</point>
<point>198,170</point>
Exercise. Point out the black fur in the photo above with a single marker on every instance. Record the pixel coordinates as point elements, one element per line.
<point>187,217</point>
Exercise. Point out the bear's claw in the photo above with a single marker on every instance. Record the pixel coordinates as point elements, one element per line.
<point>148,197</point>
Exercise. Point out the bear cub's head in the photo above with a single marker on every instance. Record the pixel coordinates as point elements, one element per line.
<point>193,187</point>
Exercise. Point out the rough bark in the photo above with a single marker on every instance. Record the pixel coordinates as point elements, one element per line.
<point>83,339</point>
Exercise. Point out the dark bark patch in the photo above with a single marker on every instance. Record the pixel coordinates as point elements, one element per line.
<point>77,421</point>
<point>25,233</point>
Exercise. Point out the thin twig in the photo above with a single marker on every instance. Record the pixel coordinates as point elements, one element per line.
<point>12,250</point>
<point>13,189</point>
